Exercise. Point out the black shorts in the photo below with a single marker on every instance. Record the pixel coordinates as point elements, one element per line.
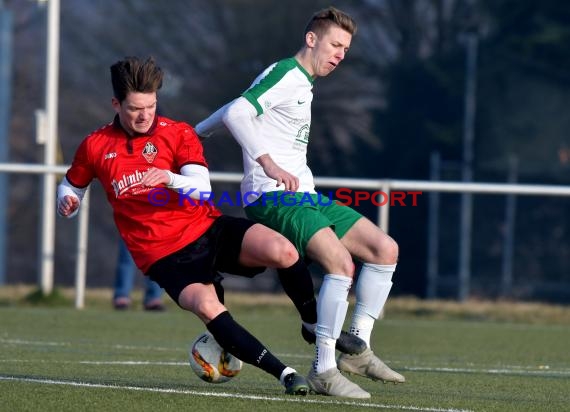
<point>217,250</point>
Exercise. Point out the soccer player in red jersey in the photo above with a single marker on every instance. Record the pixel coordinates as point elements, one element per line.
<point>154,174</point>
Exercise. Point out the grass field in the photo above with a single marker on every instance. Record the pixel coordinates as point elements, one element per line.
<point>488,358</point>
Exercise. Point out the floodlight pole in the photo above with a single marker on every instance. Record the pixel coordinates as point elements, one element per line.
<point>49,179</point>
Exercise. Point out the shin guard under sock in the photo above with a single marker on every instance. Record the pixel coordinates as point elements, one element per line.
<point>372,289</point>
<point>332,307</point>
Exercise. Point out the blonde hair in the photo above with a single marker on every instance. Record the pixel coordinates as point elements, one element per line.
<point>322,20</point>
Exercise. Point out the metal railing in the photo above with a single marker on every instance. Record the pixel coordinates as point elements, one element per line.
<point>385,186</point>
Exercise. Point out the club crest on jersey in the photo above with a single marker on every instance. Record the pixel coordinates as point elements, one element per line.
<point>149,152</point>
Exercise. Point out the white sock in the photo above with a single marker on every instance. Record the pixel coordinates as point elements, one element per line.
<point>324,355</point>
<point>332,305</point>
<point>362,324</point>
<point>372,290</point>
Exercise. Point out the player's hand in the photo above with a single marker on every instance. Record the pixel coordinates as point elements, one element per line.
<point>155,177</point>
<point>274,171</point>
<point>67,205</point>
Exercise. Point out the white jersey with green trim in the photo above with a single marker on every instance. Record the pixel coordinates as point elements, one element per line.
<point>282,96</point>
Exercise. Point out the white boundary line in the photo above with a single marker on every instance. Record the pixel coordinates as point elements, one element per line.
<point>115,346</point>
<point>541,370</point>
<point>514,370</point>
<point>229,395</point>
<point>544,371</point>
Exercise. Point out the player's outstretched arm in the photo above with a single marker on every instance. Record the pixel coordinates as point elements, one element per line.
<point>239,120</point>
<point>68,198</point>
<point>210,125</point>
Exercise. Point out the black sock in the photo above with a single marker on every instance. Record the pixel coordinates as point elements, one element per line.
<point>239,342</point>
<point>298,285</point>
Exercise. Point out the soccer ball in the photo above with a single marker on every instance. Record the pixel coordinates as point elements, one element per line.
<point>211,362</point>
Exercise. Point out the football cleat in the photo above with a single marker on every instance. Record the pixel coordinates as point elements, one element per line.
<point>346,342</point>
<point>296,384</point>
<point>332,383</point>
<point>368,365</point>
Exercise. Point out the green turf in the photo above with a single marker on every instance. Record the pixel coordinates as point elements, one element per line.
<point>62,359</point>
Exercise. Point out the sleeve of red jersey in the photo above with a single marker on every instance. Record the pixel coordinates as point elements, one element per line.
<point>81,172</point>
<point>190,150</point>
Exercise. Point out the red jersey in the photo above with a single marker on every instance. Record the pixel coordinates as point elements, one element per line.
<point>151,227</point>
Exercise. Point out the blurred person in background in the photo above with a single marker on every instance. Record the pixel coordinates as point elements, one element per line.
<point>125,273</point>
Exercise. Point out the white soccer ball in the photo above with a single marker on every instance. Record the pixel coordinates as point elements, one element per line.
<point>211,362</point>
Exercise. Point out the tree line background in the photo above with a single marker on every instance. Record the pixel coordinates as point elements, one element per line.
<point>397,98</point>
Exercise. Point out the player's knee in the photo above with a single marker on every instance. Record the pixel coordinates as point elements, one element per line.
<point>344,266</point>
<point>282,252</point>
<point>389,251</point>
<point>348,268</point>
<point>385,252</point>
<point>337,261</point>
<point>392,250</point>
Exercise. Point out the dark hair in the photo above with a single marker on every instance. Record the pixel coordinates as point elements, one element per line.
<point>133,75</point>
<point>322,20</point>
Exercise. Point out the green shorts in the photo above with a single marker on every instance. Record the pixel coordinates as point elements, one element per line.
<point>298,216</point>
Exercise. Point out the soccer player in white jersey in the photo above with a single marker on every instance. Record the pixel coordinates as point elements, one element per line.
<point>271,121</point>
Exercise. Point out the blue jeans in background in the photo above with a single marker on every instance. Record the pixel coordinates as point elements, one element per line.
<point>125,279</point>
